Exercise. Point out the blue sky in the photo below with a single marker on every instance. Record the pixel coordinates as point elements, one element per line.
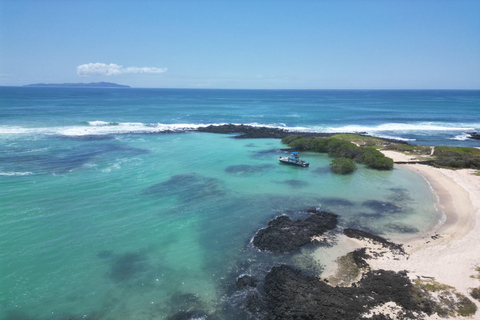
<point>429,44</point>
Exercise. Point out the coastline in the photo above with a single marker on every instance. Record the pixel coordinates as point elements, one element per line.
<point>448,253</point>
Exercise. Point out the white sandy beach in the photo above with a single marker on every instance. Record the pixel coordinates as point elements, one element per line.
<point>451,257</point>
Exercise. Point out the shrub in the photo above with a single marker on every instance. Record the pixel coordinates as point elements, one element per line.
<point>343,165</point>
<point>340,148</point>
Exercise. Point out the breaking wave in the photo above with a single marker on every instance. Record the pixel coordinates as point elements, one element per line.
<point>400,131</point>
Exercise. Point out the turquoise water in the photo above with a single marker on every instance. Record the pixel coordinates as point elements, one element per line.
<point>104,218</point>
<point>124,232</point>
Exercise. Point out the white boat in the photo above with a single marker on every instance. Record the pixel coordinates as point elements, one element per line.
<point>293,159</point>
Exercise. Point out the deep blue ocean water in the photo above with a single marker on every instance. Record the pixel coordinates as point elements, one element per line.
<point>102,216</point>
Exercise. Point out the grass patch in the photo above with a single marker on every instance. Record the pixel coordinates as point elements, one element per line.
<point>358,139</point>
<point>457,157</point>
<point>456,151</point>
<point>442,299</point>
<point>411,149</point>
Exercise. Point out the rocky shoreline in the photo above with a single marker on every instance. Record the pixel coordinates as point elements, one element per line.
<point>251,132</point>
<point>356,291</point>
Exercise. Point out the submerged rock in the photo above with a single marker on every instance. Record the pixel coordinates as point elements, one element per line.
<point>187,187</point>
<point>383,206</point>
<point>248,170</point>
<point>284,235</point>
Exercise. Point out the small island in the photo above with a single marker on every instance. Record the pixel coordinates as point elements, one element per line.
<point>79,85</point>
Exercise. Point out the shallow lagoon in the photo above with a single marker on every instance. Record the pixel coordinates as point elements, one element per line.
<point>140,225</point>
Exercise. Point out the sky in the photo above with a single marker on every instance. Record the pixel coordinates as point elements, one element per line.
<point>244,44</point>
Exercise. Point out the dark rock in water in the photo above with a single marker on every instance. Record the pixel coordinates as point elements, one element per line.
<point>291,295</point>
<point>382,207</point>
<point>248,170</point>
<point>126,266</point>
<point>401,228</point>
<point>294,183</point>
<point>105,254</point>
<point>264,154</point>
<point>249,132</point>
<point>363,235</point>
<point>399,195</point>
<point>188,315</point>
<point>284,235</point>
<point>474,135</point>
<point>336,202</point>
<point>245,281</point>
<point>187,187</point>
<point>90,137</point>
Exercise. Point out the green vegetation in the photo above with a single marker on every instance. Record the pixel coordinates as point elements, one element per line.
<point>343,165</point>
<point>341,148</point>
<point>457,157</point>
<point>475,293</point>
<point>359,140</point>
<point>347,273</point>
<point>442,299</point>
<point>477,276</point>
<point>411,149</point>
<point>362,149</point>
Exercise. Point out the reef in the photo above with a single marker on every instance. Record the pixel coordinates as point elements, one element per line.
<point>249,132</point>
<point>282,235</point>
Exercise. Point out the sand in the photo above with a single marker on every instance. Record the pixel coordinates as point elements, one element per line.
<point>451,251</point>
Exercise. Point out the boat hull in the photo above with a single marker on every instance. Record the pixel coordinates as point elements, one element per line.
<point>298,164</point>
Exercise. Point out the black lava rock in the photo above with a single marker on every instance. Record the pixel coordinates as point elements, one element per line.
<point>245,281</point>
<point>474,135</point>
<point>292,295</point>
<point>363,235</point>
<point>284,235</point>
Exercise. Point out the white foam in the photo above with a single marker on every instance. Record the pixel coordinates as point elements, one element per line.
<point>461,137</point>
<point>15,173</point>
<point>404,127</point>
<point>98,123</point>
<point>99,127</point>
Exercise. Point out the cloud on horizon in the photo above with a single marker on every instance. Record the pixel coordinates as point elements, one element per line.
<point>94,69</point>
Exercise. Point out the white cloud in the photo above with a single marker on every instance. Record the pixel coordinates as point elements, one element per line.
<point>112,69</point>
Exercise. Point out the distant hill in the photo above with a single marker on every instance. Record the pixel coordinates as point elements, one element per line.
<point>79,85</point>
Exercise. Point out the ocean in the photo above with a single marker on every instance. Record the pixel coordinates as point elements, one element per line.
<point>112,207</point>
